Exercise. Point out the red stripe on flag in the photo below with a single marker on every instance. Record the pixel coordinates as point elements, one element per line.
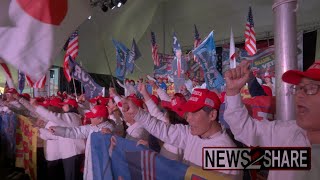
<point>6,69</point>
<point>72,50</point>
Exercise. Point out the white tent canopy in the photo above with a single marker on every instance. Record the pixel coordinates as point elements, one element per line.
<point>137,18</point>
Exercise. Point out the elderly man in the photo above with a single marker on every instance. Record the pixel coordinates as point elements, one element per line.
<point>305,131</point>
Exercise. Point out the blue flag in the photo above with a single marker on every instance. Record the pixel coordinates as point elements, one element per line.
<point>122,54</point>
<point>134,54</point>
<point>92,89</point>
<point>126,160</point>
<point>21,80</point>
<point>206,53</point>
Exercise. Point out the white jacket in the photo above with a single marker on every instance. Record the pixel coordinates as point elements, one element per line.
<point>263,133</point>
<point>167,150</point>
<point>81,133</point>
<point>179,136</point>
<point>60,148</point>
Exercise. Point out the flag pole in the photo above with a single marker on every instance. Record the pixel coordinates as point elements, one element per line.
<point>75,90</point>
<point>104,51</point>
<point>80,81</point>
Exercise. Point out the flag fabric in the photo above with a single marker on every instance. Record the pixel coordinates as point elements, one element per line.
<point>206,53</point>
<point>232,55</point>
<point>37,84</point>
<point>154,49</point>
<point>126,160</point>
<point>7,75</point>
<point>197,41</point>
<point>122,55</point>
<point>92,89</point>
<point>72,50</point>
<point>26,146</point>
<point>134,54</point>
<point>37,31</point>
<point>21,80</point>
<point>250,35</point>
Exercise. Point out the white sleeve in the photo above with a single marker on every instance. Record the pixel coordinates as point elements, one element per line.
<point>163,95</point>
<point>45,134</point>
<point>81,132</point>
<point>155,111</point>
<point>247,130</point>
<point>175,135</point>
<point>58,118</point>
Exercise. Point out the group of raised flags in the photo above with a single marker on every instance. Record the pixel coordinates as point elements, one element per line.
<point>125,58</point>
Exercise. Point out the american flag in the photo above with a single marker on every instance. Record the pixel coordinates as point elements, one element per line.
<point>38,84</point>
<point>197,40</point>
<point>154,45</point>
<point>250,35</point>
<point>71,50</point>
<point>148,165</point>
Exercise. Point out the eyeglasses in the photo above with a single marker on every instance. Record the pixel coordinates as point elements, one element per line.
<point>308,89</point>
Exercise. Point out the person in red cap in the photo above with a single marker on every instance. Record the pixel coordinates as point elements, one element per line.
<point>203,130</point>
<point>169,117</point>
<point>304,131</point>
<point>99,122</point>
<point>134,131</point>
<point>128,87</point>
<point>65,152</point>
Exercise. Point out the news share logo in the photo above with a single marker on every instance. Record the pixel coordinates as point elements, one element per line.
<point>271,158</point>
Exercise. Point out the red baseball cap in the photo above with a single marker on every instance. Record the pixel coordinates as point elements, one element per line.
<point>176,104</point>
<point>25,95</point>
<point>40,99</point>
<point>295,76</point>
<point>201,98</point>
<point>71,102</point>
<point>45,103</point>
<point>103,100</point>
<point>11,91</point>
<point>56,102</point>
<point>98,111</point>
<point>138,102</point>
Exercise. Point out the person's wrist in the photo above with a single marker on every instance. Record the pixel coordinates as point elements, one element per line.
<point>232,92</point>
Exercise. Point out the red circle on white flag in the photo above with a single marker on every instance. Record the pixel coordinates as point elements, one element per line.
<point>47,11</point>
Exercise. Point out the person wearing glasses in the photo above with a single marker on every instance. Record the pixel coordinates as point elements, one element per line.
<point>302,132</point>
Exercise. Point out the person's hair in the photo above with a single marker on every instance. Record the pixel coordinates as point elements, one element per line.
<point>174,118</point>
<point>208,109</point>
<point>55,109</point>
<point>73,109</point>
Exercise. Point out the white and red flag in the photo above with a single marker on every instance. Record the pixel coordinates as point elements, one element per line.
<point>32,33</point>
<point>232,54</point>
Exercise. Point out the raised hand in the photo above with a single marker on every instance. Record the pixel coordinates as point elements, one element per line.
<point>142,89</point>
<point>105,131</point>
<point>129,109</point>
<point>236,78</point>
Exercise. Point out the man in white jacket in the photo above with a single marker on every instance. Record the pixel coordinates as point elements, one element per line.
<point>99,122</point>
<point>203,130</point>
<point>305,131</point>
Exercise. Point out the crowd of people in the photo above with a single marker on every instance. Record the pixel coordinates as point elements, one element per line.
<point>177,125</point>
